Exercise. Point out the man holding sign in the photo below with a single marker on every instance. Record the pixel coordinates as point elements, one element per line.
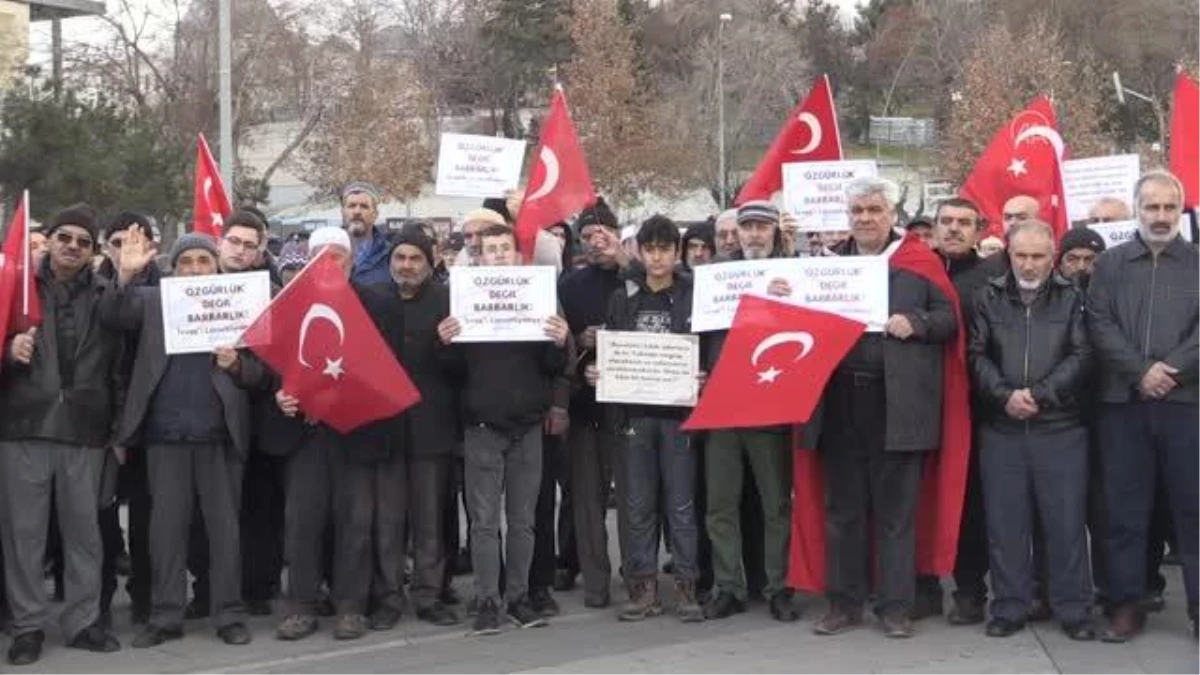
<point>658,451</point>
<point>192,414</point>
<point>509,389</point>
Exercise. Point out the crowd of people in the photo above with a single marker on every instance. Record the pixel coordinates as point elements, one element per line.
<point>1083,375</point>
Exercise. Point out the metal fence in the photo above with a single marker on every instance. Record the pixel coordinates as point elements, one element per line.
<point>904,131</point>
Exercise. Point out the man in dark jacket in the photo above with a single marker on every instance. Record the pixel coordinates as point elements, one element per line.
<point>1142,312</point>
<point>875,430</point>
<point>436,370</point>
<point>596,452</point>
<point>1029,357</point>
<point>659,457</point>
<point>58,389</point>
<point>958,226</point>
<point>368,472</point>
<point>193,418</point>
<point>508,390</point>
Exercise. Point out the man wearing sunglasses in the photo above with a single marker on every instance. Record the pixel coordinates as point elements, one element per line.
<point>59,402</point>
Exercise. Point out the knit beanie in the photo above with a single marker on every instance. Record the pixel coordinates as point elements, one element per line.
<point>417,238</point>
<point>80,215</point>
<point>191,241</point>
<point>293,254</point>
<point>1082,238</point>
<point>597,214</point>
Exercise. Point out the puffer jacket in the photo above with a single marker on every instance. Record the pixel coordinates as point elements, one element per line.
<point>1042,346</point>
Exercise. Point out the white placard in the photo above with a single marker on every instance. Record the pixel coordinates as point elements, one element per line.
<point>202,313</point>
<point>718,287</point>
<point>1087,181</point>
<point>478,166</point>
<point>1121,231</point>
<point>647,368</point>
<point>815,192</point>
<point>503,304</point>
<point>855,287</point>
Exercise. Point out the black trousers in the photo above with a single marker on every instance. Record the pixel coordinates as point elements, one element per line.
<point>554,545</point>
<point>261,520</point>
<point>868,490</point>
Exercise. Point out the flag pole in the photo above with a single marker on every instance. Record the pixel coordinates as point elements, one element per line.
<point>28,253</point>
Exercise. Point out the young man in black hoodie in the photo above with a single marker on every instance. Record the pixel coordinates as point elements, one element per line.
<point>509,388</point>
<point>657,450</point>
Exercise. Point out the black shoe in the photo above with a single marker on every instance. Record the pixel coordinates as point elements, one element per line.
<point>783,607</point>
<point>542,602</point>
<point>259,608</point>
<point>385,618</point>
<point>1081,631</point>
<point>723,606</point>
<point>438,614</point>
<point>524,615</point>
<point>967,611</point>
<point>564,580</point>
<point>26,648</point>
<point>154,636</point>
<point>1002,628</point>
<point>196,609</point>
<point>487,621</point>
<point>1039,611</point>
<point>235,634</point>
<point>449,597</point>
<point>95,638</point>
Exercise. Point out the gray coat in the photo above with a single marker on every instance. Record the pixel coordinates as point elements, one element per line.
<point>912,368</point>
<point>139,308</point>
<point>1142,310</point>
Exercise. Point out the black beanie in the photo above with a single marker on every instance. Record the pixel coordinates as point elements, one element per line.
<point>80,215</point>
<point>415,237</point>
<point>597,214</point>
<point>1082,237</point>
<point>124,219</point>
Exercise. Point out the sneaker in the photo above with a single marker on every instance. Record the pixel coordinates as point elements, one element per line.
<point>837,621</point>
<point>487,619</point>
<point>542,602</point>
<point>350,627</point>
<point>898,625</point>
<point>723,605</point>
<point>522,614</point>
<point>95,638</point>
<point>296,627</point>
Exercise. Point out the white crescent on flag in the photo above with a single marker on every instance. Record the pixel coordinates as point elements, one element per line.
<point>1041,131</point>
<point>319,311</point>
<point>805,340</point>
<point>814,128</point>
<point>549,159</point>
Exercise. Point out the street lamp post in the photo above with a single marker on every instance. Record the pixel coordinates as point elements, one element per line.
<point>1158,111</point>
<point>225,90</point>
<point>724,18</point>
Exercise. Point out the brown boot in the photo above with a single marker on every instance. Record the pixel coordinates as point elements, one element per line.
<point>687,607</point>
<point>1126,623</point>
<point>643,600</point>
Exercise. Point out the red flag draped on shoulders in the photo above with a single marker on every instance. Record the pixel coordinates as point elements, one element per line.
<point>944,477</point>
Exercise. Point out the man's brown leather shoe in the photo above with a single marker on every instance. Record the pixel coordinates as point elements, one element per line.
<point>836,622</point>
<point>1127,621</point>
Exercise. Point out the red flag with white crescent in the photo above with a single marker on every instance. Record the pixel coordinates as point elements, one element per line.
<point>210,203</point>
<point>810,134</point>
<point>560,184</point>
<point>18,278</point>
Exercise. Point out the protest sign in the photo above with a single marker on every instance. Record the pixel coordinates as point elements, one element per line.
<point>647,368</point>
<point>478,166</point>
<point>1121,231</point>
<point>1087,181</point>
<point>503,304</point>
<point>205,312</point>
<point>815,192</point>
<point>854,287</point>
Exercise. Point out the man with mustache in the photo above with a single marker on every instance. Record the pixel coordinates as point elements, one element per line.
<point>1142,312</point>
<point>360,209</point>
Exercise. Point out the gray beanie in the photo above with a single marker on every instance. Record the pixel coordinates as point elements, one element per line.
<point>192,240</point>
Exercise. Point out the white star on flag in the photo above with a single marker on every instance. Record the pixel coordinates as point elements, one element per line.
<point>769,375</point>
<point>333,368</point>
<point>1017,168</point>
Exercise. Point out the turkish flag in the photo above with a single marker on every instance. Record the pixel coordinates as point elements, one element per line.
<point>775,362</point>
<point>18,280</point>
<point>810,134</point>
<point>210,203</point>
<point>1185,138</point>
<point>318,337</point>
<point>943,478</point>
<point>560,184</point>
<point>1023,158</point>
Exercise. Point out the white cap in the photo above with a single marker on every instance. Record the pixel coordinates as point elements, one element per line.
<point>629,232</point>
<point>328,236</point>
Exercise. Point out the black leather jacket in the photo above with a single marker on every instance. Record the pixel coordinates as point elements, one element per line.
<point>1143,309</point>
<point>1042,346</point>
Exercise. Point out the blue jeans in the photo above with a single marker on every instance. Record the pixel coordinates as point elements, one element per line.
<point>1136,440</point>
<point>659,453</point>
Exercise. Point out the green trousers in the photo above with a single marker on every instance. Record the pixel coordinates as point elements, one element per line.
<point>770,462</point>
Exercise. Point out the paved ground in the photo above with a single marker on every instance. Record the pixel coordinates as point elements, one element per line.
<point>584,640</point>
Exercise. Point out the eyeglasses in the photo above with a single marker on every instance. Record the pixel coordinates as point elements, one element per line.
<point>248,246</point>
<point>66,239</point>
